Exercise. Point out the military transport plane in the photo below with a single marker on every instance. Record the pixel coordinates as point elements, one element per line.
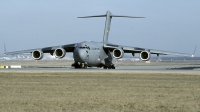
<point>96,54</point>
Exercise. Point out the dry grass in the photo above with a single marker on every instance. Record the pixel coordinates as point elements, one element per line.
<point>103,91</point>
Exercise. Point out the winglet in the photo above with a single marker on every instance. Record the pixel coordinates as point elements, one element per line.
<point>194,51</point>
<point>5,49</point>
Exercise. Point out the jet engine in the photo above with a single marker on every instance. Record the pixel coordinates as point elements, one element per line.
<point>37,54</point>
<point>145,55</point>
<point>118,53</point>
<point>60,53</point>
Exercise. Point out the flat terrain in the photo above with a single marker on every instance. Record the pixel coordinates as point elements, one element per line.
<point>65,66</point>
<point>99,91</point>
<point>119,63</point>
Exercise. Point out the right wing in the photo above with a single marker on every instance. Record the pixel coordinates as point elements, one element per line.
<point>67,48</point>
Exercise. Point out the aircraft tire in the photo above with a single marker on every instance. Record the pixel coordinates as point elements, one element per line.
<point>76,65</point>
<point>85,66</point>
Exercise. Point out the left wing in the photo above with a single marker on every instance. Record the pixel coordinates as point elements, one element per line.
<point>144,53</point>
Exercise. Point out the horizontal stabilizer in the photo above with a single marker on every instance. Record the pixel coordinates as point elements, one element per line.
<point>110,16</point>
<point>93,16</point>
<point>126,16</point>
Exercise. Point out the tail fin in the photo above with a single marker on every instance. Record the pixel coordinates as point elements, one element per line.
<point>108,16</point>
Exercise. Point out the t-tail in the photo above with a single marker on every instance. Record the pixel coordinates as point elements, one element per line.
<point>108,16</point>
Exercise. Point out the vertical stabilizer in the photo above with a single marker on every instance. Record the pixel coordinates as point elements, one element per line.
<point>107,26</point>
<point>108,16</point>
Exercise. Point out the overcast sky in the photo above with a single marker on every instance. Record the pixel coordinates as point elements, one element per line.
<point>170,25</point>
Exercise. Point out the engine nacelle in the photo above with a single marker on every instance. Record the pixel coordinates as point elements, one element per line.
<point>118,53</point>
<point>60,53</point>
<point>145,55</point>
<point>37,54</point>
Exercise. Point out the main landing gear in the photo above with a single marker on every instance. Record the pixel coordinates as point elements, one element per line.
<point>109,67</point>
<point>83,65</point>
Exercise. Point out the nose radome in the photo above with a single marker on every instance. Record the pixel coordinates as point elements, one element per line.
<point>82,54</point>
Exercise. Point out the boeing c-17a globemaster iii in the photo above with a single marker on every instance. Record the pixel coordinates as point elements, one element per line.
<point>96,54</point>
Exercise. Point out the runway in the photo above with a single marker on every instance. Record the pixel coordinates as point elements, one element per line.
<point>168,68</point>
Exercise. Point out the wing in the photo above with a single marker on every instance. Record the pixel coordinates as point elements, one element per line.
<point>68,48</point>
<point>128,49</point>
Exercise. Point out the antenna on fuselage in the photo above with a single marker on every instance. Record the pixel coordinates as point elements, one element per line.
<point>108,16</point>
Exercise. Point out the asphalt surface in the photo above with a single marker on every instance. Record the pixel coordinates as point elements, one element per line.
<point>174,68</point>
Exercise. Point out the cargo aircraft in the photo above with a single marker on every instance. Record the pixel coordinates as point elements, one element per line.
<point>96,54</point>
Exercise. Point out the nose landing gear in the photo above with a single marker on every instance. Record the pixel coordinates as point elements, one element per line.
<point>79,65</point>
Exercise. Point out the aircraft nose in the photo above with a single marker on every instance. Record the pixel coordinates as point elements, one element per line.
<point>82,55</point>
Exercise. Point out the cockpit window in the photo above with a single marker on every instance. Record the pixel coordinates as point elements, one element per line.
<point>81,47</point>
<point>84,47</point>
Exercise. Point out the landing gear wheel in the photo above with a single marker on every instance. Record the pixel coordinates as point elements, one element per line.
<point>84,66</point>
<point>76,65</point>
<point>112,67</point>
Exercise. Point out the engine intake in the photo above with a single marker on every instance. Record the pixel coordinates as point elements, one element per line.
<point>118,53</point>
<point>37,54</point>
<point>145,55</point>
<point>60,53</point>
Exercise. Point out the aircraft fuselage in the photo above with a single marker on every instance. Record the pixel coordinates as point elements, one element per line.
<point>90,53</point>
